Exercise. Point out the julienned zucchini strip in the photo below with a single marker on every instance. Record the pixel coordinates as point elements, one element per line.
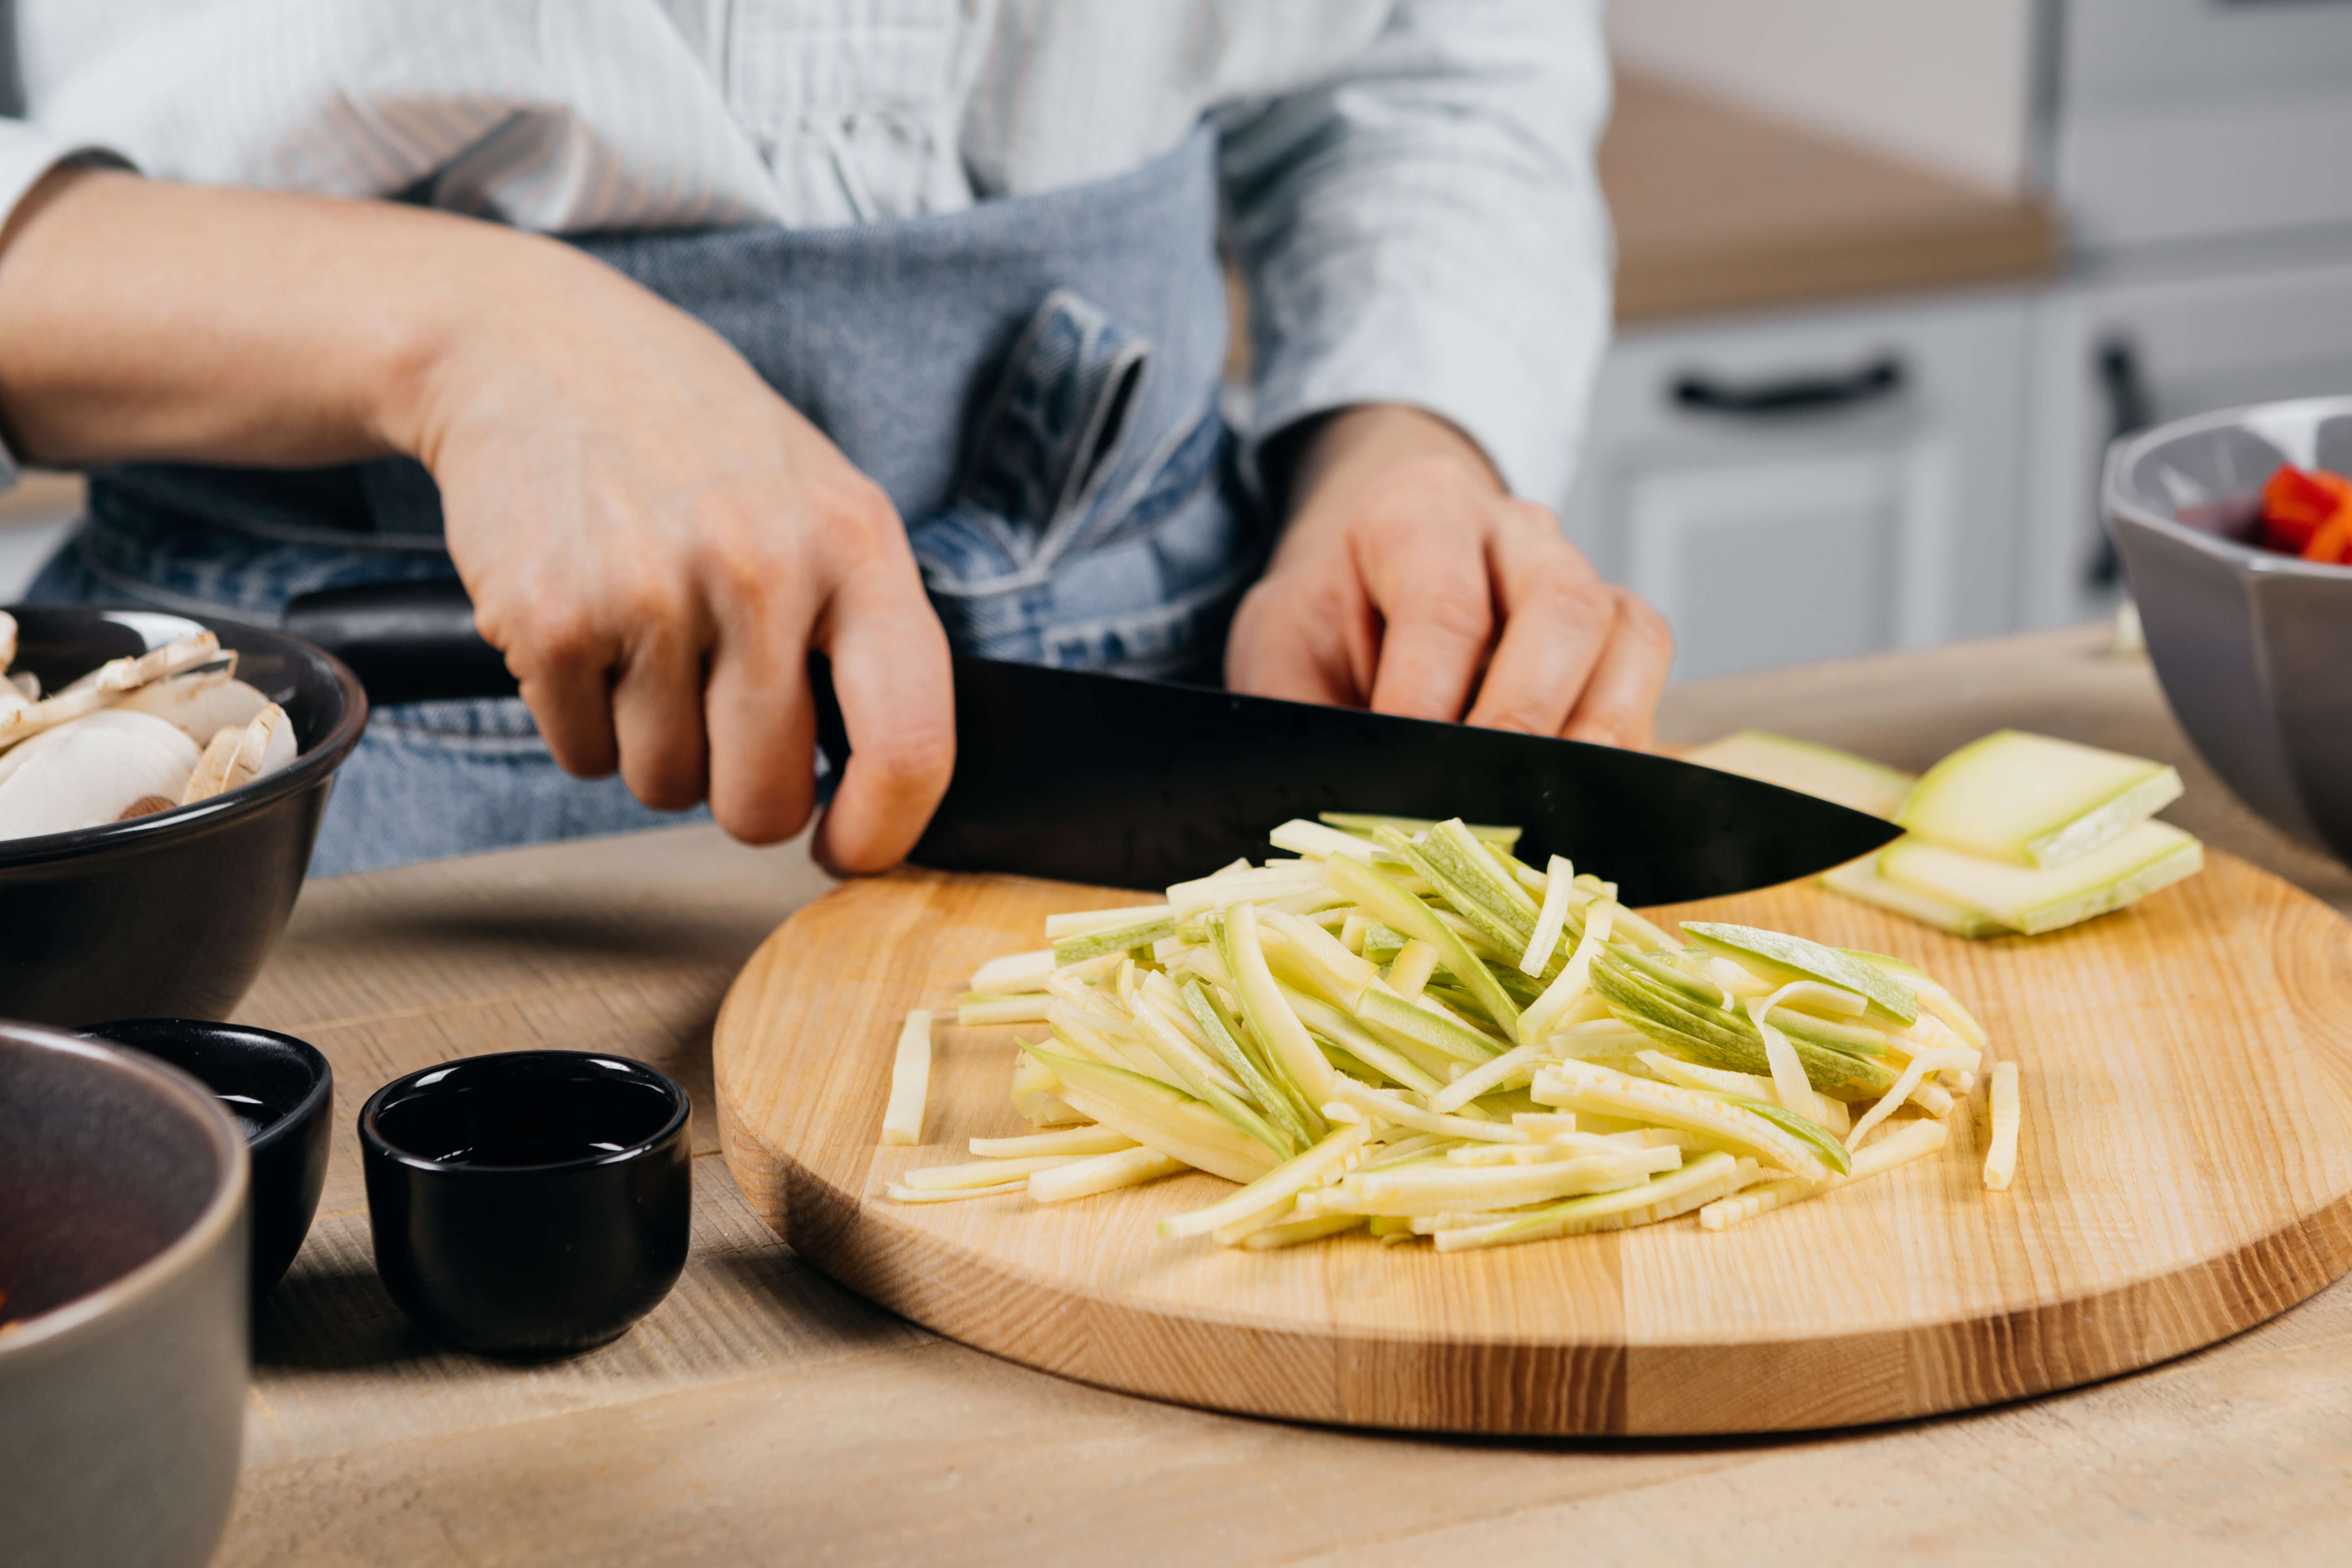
<point>1410,1033</point>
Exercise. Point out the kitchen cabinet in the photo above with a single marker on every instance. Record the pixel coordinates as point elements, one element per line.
<point>2120,347</point>
<point>1812,486</point>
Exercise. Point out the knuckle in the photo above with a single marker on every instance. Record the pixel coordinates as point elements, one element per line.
<point>554,632</point>
<point>857,501</point>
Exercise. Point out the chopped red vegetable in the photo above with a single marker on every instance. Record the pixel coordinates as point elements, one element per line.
<point>2308,513</point>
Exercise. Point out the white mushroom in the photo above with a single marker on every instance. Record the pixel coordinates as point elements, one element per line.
<point>28,685</point>
<point>146,725</point>
<point>202,702</point>
<point>269,746</point>
<point>115,682</point>
<point>117,675</point>
<point>22,724</point>
<point>211,775</point>
<point>237,757</point>
<point>92,776</point>
<point>132,671</point>
<point>7,639</point>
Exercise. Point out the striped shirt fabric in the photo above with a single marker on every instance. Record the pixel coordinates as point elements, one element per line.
<point>1408,184</point>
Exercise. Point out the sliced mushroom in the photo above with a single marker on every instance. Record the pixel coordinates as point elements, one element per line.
<point>146,725</point>
<point>210,777</point>
<point>63,708</point>
<point>92,776</point>
<point>119,675</point>
<point>132,672</point>
<point>237,757</point>
<point>202,700</point>
<point>7,639</point>
<point>28,685</point>
<point>269,746</point>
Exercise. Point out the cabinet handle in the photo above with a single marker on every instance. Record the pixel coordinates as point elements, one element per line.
<point>1880,378</point>
<point>2129,411</point>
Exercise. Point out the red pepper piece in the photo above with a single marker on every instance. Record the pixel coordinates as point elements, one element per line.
<point>2297,502</point>
<point>2332,543</point>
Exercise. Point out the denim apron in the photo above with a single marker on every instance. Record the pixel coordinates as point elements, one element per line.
<point>1035,382</point>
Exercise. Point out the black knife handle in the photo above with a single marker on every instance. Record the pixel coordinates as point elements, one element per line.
<point>416,642</point>
<point>407,642</point>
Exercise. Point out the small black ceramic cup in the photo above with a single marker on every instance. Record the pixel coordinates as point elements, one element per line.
<point>280,1092</point>
<point>530,1203</point>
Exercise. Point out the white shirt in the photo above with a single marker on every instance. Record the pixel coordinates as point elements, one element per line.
<point>1409,182</point>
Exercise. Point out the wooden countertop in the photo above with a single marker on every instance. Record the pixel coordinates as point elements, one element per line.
<point>762,1414</point>
<point>1717,209</point>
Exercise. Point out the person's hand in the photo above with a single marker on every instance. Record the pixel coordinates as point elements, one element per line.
<point>1408,581</point>
<point>652,537</point>
<point>656,540</point>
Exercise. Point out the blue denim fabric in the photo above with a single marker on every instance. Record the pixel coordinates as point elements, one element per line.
<point>1034,382</point>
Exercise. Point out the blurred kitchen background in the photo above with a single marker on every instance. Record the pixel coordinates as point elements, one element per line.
<point>1891,275</point>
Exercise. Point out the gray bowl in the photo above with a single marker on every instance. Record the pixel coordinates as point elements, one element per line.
<point>2254,648</point>
<point>123,1360</point>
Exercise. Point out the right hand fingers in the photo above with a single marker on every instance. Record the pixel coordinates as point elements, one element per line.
<point>892,673</point>
<point>657,706</point>
<point>1304,635</point>
<point>1441,620</point>
<point>562,664</point>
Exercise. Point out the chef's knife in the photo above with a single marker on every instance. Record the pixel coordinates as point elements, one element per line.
<point>1138,783</point>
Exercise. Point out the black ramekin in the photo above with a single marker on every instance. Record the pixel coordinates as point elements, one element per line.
<point>528,1204</point>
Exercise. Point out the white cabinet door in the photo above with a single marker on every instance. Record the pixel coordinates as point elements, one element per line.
<point>1814,487</point>
<point>2175,345</point>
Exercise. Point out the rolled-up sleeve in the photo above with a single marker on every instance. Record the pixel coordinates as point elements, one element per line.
<point>26,154</point>
<point>1425,227</point>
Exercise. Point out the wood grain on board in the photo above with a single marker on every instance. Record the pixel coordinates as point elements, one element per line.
<point>2185,1172</point>
<point>764,1414</point>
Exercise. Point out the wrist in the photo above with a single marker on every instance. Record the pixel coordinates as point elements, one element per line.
<point>472,312</point>
<point>1354,446</point>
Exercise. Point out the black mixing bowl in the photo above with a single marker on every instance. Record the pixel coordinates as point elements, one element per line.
<point>169,915</point>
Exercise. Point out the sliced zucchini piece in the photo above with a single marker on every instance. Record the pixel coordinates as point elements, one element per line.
<point>1802,765</point>
<point>2150,856</point>
<point>1384,899</point>
<point>2031,800</point>
<point>1782,958</point>
<point>1862,880</point>
<point>1832,1152</point>
<point>1158,1117</point>
<point>1719,1039</point>
<point>1933,995</point>
<point>1366,823</point>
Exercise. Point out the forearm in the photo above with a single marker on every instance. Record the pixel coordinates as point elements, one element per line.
<point>144,320</point>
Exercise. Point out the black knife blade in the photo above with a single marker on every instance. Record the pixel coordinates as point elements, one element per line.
<point>1138,783</point>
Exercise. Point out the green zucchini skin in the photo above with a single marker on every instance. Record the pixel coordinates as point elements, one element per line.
<point>1713,1038</point>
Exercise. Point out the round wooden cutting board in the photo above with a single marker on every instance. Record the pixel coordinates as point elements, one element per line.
<point>2185,1172</point>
